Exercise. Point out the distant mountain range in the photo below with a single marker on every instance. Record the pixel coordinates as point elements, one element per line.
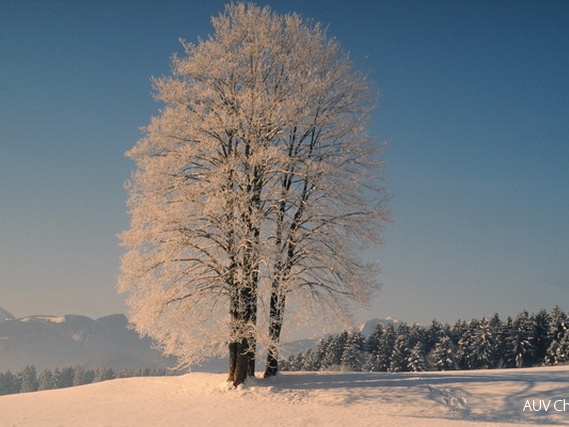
<point>4,315</point>
<point>49,342</point>
<point>70,340</point>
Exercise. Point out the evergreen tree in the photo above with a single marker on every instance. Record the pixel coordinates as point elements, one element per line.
<point>3,385</point>
<point>483,346</point>
<point>296,362</point>
<point>401,350</point>
<point>500,334</point>
<point>520,341</point>
<point>82,376</point>
<point>468,352</point>
<point>417,333</point>
<point>416,361</point>
<point>443,356</point>
<point>372,342</point>
<point>371,348</point>
<point>542,341</point>
<point>311,360</point>
<point>352,359</point>
<point>558,351</point>
<point>557,330</point>
<point>434,334</point>
<point>29,379</point>
<point>9,383</point>
<point>479,344</point>
<point>46,381</point>
<point>381,359</point>
<point>63,377</point>
<point>130,373</point>
<point>103,374</point>
<point>333,356</point>
<point>320,352</point>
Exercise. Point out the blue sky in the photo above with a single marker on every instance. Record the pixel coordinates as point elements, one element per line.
<point>474,104</point>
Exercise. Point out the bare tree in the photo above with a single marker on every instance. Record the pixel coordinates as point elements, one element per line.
<point>256,185</point>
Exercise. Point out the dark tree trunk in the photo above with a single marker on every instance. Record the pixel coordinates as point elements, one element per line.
<point>275,326</point>
<point>234,347</point>
<point>233,351</point>
<point>242,354</point>
<point>243,304</point>
<point>238,362</point>
<point>247,355</point>
<point>242,362</point>
<point>251,356</point>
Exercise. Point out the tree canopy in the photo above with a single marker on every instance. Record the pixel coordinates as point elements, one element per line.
<point>256,186</point>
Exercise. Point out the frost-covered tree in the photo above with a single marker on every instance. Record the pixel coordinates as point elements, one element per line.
<point>372,342</point>
<point>401,349</point>
<point>520,342</point>
<point>255,187</point>
<point>558,351</point>
<point>433,334</point>
<point>540,321</point>
<point>352,357</point>
<point>484,345</point>
<point>334,349</point>
<point>417,360</point>
<point>381,359</point>
<point>557,334</point>
<point>443,356</point>
<point>311,360</point>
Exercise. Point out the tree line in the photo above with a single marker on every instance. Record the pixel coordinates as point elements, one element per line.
<point>536,339</point>
<point>29,380</point>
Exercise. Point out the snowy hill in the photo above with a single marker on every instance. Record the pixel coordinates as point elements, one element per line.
<point>489,398</point>
<point>58,341</point>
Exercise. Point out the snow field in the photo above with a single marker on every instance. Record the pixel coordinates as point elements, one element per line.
<point>460,398</point>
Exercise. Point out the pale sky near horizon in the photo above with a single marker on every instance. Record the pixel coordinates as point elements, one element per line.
<point>474,105</point>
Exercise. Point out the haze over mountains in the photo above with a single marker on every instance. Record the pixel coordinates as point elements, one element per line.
<point>48,342</point>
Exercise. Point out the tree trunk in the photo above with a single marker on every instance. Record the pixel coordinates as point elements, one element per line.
<point>242,363</point>
<point>234,347</point>
<point>233,350</point>
<point>242,354</point>
<point>275,327</point>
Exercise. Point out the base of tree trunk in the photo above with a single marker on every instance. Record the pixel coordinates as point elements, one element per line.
<point>233,351</point>
<point>272,366</point>
<point>241,362</point>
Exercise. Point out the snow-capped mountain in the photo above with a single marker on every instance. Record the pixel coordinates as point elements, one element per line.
<point>367,327</point>
<point>4,315</point>
<point>58,341</point>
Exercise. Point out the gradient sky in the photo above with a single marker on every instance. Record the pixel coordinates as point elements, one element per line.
<point>474,105</point>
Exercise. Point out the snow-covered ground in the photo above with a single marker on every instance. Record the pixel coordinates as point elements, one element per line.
<point>460,398</point>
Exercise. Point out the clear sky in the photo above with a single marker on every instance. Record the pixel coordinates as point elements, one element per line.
<point>474,105</point>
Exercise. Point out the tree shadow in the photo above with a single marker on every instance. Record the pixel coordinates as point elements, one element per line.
<point>478,396</point>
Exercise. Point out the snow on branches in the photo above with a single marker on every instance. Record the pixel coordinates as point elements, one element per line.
<point>255,187</point>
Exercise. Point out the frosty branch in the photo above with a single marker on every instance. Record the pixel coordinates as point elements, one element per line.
<point>257,183</point>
